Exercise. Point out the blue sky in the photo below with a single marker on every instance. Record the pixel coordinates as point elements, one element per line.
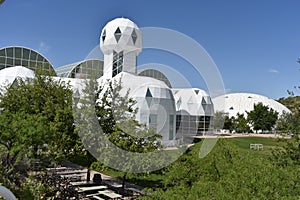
<point>255,44</point>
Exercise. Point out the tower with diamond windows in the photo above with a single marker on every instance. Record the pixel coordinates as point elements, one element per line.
<point>120,42</point>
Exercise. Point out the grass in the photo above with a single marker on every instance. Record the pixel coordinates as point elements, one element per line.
<point>269,144</point>
<point>154,180</point>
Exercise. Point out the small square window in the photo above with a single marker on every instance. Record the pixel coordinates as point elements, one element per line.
<point>17,62</point>
<point>24,63</point>
<point>9,61</point>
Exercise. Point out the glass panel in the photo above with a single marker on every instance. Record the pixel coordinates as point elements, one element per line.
<point>24,63</point>
<point>118,34</point>
<point>9,61</point>
<point>17,62</point>
<point>26,54</point>
<point>134,36</point>
<point>47,66</point>
<point>103,35</point>
<point>9,52</point>
<point>89,64</point>
<point>32,56</point>
<point>171,127</point>
<point>40,58</point>
<point>39,65</point>
<point>2,60</point>
<point>18,52</point>
<point>2,52</point>
<point>32,64</point>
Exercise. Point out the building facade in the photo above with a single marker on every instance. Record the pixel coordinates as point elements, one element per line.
<point>176,114</point>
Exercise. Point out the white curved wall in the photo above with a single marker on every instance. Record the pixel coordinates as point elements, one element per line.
<point>242,102</point>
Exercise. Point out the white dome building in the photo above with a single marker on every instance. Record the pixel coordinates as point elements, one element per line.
<point>195,111</point>
<point>242,102</point>
<point>121,42</point>
<point>10,74</point>
<point>155,103</point>
<point>190,112</point>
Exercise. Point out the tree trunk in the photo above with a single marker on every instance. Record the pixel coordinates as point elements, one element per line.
<point>88,175</point>
<point>123,182</point>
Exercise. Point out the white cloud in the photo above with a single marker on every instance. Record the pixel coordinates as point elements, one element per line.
<point>274,71</point>
<point>43,47</point>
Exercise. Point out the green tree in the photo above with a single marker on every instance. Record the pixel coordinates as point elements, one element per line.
<point>290,123</point>
<point>292,102</point>
<point>287,123</point>
<point>115,114</point>
<point>36,121</point>
<point>262,117</point>
<point>229,123</point>
<point>241,124</point>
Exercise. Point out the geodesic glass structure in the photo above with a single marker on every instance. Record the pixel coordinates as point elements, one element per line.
<point>21,56</point>
<point>82,69</point>
<point>157,75</point>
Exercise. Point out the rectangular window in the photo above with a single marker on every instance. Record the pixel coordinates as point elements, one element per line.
<point>26,54</point>
<point>18,53</point>
<point>2,60</point>
<point>152,120</point>
<point>9,52</point>
<point>32,56</point>
<point>39,58</point>
<point>117,63</point>
<point>24,63</point>
<point>9,61</point>
<point>2,52</point>
<point>171,129</point>
<point>17,62</point>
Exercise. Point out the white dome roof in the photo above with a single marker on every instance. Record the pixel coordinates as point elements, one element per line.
<point>121,34</point>
<point>8,75</point>
<point>138,85</point>
<point>242,102</point>
<point>193,101</point>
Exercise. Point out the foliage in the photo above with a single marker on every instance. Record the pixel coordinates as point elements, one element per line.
<point>229,123</point>
<point>115,113</point>
<point>262,117</point>
<point>292,102</point>
<point>290,154</point>
<point>36,123</point>
<point>50,186</point>
<point>288,123</point>
<point>241,124</point>
<point>227,173</point>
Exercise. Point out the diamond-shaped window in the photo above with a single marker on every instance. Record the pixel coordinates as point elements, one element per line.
<point>148,94</point>
<point>103,35</point>
<point>133,36</point>
<point>118,34</point>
